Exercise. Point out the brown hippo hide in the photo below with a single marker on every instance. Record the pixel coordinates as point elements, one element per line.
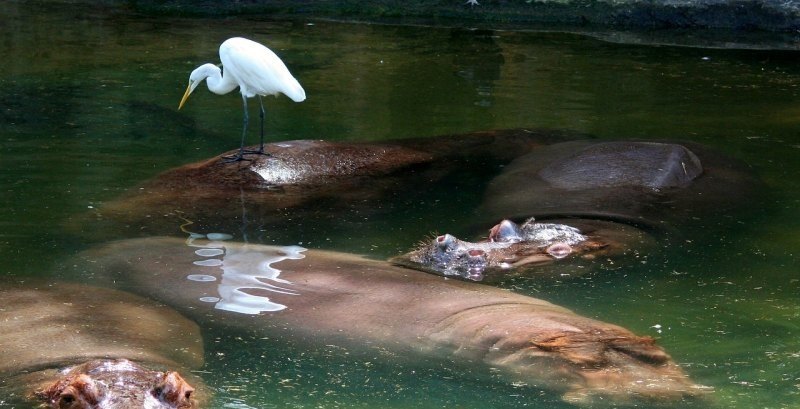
<point>86,347</point>
<point>308,178</point>
<point>657,185</point>
<point>493,259</point>
<point>324,298</point>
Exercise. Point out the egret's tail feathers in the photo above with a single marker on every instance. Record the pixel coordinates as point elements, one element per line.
<point>295,92</point>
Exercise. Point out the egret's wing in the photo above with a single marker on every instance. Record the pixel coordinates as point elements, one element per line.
<point>258,70</point>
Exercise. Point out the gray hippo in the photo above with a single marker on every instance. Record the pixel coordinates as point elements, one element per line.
<point>595,199</point>
<point>654,185</point>
<point>74,346</point>
<point>322,298</point>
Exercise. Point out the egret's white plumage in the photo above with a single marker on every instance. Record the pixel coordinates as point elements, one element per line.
<point>252,67</point>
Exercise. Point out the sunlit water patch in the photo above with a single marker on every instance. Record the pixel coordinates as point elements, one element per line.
<point>242,268</point>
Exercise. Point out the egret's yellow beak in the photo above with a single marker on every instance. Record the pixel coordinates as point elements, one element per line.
<point>185,96</point>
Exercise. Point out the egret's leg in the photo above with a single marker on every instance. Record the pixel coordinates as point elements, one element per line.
<point>261,115</point>
<point>244,125</point>
<point>240,156</point>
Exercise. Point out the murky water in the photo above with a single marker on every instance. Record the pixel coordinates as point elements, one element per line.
<point>89,110</point>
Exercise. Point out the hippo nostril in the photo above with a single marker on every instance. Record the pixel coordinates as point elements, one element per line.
<point>66,400</point>
<point>475,264</point>
<point>446,242</point>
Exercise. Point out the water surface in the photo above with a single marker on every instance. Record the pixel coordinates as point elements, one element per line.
<point>89,110</point>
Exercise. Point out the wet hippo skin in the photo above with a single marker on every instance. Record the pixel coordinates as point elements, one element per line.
<point>310,179</point>
<point>531,249</point>
<point>324,298</point>
<point>615,193</point>
<point>76,346</point>
<point>652,184</point>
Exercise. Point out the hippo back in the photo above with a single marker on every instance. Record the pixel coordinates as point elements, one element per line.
<point>650,184</point>
<point>65,324</point>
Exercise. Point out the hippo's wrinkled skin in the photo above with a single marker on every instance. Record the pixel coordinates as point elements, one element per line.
<point>82,347</point>
<point>511,249</point>
<point>333,298</point>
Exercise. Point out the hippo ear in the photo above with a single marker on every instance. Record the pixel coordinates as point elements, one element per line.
<point>73,392</point>
<point>507,232</point>
<point>173,390</point>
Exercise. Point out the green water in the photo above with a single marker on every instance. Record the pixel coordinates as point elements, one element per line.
<point>88,101</point>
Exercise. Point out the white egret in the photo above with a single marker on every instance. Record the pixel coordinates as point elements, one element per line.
<point>252,67</point>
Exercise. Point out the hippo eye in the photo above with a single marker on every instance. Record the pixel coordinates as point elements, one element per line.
<point>188,395</point>
<point>506,232</point>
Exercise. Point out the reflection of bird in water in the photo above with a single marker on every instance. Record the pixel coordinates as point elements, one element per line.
<point>244,267</point>
<point>252,67</point>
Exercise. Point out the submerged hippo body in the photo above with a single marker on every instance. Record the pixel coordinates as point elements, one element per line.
<point>333,298</point>
<point>656,185</point>
<point>312,179</point>
<point>71,346</point>
<point>611,194</point>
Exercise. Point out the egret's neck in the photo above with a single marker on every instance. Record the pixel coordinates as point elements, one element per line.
<point>217,83</point>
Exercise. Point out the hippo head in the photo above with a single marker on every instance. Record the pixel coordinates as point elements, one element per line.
<point>509,247</point>
<point>117,384</point>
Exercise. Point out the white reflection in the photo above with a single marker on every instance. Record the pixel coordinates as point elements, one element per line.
<point>213,262</point>
<point>209,252</point>
<point>219,236</point>
<point>244,267</point>
<point>201,277</point>
<point>277,172</point>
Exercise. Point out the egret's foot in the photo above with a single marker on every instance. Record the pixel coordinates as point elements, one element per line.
<point>235,158</point>
<point>256,152</point>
